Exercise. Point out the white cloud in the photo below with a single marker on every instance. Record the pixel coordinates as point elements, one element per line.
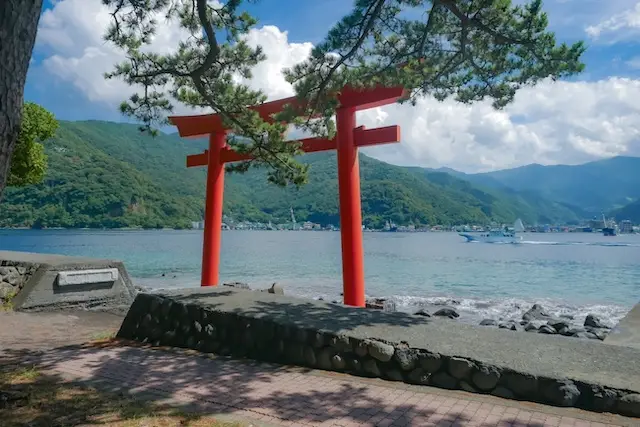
<point>555,122</point>
<point>619,26</point>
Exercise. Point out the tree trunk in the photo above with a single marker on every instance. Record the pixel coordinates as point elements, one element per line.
<point>18,28</point>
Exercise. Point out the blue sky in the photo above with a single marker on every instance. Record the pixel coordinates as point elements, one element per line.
<point>65,77</point>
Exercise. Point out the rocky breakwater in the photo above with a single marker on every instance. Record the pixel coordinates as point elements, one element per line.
<point>184,322</point>
<point>13,276</point>
<point>537,320</point>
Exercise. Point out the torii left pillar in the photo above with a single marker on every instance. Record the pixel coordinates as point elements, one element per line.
<point>213,210</point>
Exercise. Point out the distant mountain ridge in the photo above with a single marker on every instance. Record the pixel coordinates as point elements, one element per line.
<point>595,187</point>
<point>104,174</point>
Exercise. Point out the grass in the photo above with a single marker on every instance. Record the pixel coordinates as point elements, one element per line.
<point>7,302</point>
<point>102,336</point>
<point>29,397</point>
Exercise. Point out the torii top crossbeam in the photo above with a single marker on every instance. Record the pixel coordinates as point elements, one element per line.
<point>346,142</point>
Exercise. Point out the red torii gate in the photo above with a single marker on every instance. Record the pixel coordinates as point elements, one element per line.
<point>348,139</point>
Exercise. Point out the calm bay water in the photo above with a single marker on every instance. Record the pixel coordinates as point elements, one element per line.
<point>567,273</point>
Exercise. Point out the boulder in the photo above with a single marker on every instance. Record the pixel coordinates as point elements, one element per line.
<point>444,380</point>
<point>536,312</point>
<point>447,312</point>
<point>237,285</point>
<point>630,405</point>
<point>431,362</point>
<point>486,378</point>
<point>562,393</point>
<point>276,289</point>
<point>489,322</point>
<point>422,312</point>
<point>371,367</point>
<point>530,327</point>
<point>559,324</point>
<point>376,303</point>
<point>459,368</point>
<point>406,357</point>
<point>418,376</point>
<point>381,351</point>
<point>6,290</point>
<point>593,321</point>
<point>546,329</point>
<point>508,325</point>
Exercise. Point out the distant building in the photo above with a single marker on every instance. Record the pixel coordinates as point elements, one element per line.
<point>626,226</point>
<point>197,225</point>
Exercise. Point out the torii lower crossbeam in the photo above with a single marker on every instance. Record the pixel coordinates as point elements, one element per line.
<point>348,139</point>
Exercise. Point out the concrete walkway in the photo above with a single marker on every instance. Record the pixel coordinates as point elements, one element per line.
<point>270,395</point>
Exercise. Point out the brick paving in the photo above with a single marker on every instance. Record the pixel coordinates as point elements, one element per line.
<point>265,394</point>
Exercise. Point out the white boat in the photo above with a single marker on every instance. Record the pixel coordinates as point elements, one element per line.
<point>497,235</point>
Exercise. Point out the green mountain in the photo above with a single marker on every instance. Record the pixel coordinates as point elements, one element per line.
<point>594,187</point>
<point>104,174</point>
<point>630,212</point>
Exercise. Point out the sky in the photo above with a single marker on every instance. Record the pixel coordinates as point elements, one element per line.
<point>591,116</point>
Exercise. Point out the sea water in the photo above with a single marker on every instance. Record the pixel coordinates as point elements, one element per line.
<point>570,274</point>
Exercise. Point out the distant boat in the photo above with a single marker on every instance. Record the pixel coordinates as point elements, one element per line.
<point>497,235</point>
<point>608,231</point>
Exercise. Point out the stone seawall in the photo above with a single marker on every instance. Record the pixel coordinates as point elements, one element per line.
<point>230,323</point>
<point>13,276</point>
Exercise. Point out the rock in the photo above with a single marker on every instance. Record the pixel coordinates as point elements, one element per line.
<point>21,270</point>
<point>559,324</point>
<point>459,368</point>
<point>562,393</point>
<point>324,359</point>
<point>530,327</point>
<point>376,303</point>
<point>546,329</point>
<point>406,357</point>
<point>603,399</point>
<point>361,348</point>
<point>422,312</point>
<point>630,405</point>
<point>341,343</point>
<point>317,340</point>
<point>467,387</point>
<point>11,276</point>
<point>355,365</point>
<point>508,325</point>
<point>601,334</point>
<point>338,362</point>
<point>488,322</point>
<point>486,378</point>
<point>503,392</point>
<point>395,375</point>
<point>371,367</point>
<point>237,285</point>
<point>276,289</point>
<point>6,290</point>
<point>381,351</point>
<point>447,312</point>
<point>294,352</point>
<point>585,335</point>
<point>522,384</point>
<point>444,380</point>
<point>536,313</point>
<point>419,377</point>
<point>430,362</point>
<point>594,321</point>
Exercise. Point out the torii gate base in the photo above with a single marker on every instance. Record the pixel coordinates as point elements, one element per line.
<point>348,139</point>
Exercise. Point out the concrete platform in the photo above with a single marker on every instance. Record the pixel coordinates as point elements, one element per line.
<point>43,282</point>
<point>398,346</point>
<point>627,331</point>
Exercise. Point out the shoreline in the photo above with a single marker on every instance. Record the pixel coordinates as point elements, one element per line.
<point>585,322</point>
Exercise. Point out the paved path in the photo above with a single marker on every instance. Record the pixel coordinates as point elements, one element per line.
<point>272,395</point>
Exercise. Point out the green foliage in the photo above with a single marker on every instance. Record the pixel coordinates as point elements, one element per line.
<point>470,49</point>
<point>110,175</point>
<point>28,161</point>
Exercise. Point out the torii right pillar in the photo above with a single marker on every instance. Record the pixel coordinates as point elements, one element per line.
<point>352,100</point>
